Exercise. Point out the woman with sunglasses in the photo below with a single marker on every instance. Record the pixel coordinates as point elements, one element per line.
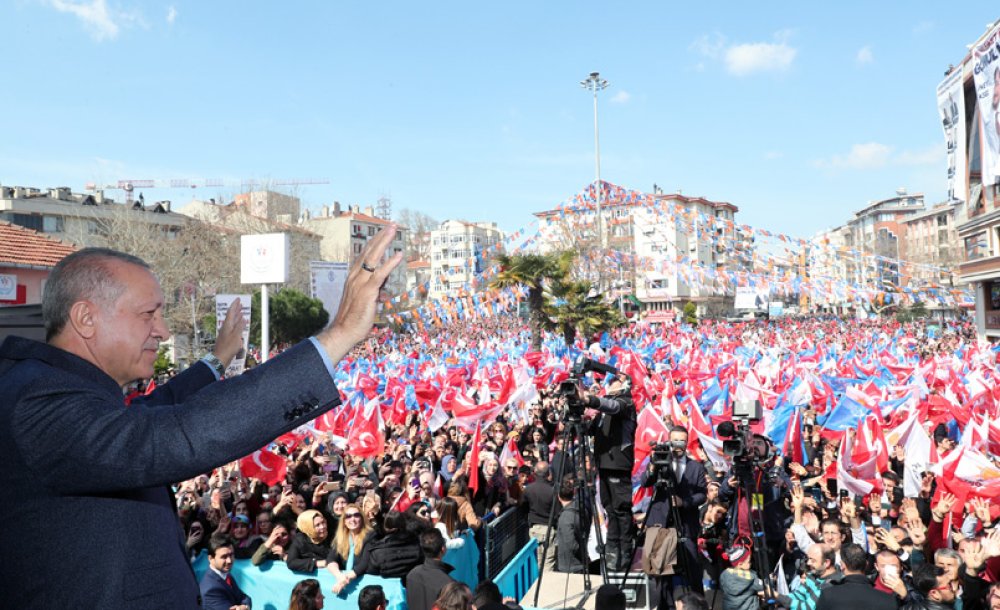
<point>348,542</point>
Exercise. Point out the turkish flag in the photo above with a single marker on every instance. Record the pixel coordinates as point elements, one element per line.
<point>264,466</point>
<point>474,459</point>
<point>650,429</point>
<point>510,451</point>
<point>367,436</point>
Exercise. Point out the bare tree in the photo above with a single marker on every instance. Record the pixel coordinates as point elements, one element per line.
<point>418,237</point>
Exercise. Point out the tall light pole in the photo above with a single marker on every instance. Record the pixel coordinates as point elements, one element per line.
<point>595,83</point>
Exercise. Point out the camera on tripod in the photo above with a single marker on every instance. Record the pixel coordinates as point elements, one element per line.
<point>661,457</point>
<point>741,444</point>
<point>569,389</point>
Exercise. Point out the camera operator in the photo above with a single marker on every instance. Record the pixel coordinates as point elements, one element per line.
<point>613,429</point>
<point>770,482</point>
<point>681,484</point>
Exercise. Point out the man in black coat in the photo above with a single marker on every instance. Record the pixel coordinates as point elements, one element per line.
<point>538,498</point>
<point>854,591</point>
<point>683,486</point>
<point>614,451</point>
<point>424,582</point>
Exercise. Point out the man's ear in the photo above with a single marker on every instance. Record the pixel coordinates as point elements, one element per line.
<point>83,318</point>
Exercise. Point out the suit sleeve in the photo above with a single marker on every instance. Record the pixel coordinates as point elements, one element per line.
<point>78,440</point>
<point>178,389</point>
<point>699,490</point>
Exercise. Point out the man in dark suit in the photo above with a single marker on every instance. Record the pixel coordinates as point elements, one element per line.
<point>539,498</point>
<point>683,487</point>
<point>424,582</point>
<point>219,590</point>
<point>85,479</point>
<point>854,590</point>
<point>613,428</point>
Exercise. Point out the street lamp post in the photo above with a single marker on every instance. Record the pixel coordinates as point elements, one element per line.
<point>595,83</point>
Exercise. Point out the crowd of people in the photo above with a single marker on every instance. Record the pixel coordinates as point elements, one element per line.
<point>395,515</point>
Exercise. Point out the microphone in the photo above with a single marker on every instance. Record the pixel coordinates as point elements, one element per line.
<point>726,429</point>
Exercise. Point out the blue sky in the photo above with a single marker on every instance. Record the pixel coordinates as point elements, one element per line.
<point>798,113</point>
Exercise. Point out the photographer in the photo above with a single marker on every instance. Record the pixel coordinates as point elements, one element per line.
<point>680,484</point>
<point>613,429</point>
<point>768,481</point>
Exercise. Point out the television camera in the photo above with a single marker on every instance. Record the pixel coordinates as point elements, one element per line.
<point>570,388</point>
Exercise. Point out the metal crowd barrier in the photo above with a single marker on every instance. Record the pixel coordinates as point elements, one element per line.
<point>503,538</point>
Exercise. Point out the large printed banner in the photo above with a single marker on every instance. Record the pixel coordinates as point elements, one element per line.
<point>222,304</point>
<point>951,107</point>
<point>986,75</point>
<point>327,284</point>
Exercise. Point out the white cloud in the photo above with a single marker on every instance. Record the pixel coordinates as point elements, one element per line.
<point>709,45</point>
<point>747,58</point>
<point>744,59</point>
<point>873,155</point>
<point>932,155</point>
<point>622,97</point>
<point>95,17</point>
<point>102,22</point>
<point>865,55</point>
<point>171,14</point>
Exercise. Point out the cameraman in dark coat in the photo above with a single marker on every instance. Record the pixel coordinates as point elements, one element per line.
<point>684,486</point>
<point>613,429</point>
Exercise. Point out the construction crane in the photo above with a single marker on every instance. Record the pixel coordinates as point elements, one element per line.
<point>129,186</point>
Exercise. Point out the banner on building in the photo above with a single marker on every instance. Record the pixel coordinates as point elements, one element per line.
<point>951,108</point>
<point>8,287</point>
<point>222,304</point>
<point>986,76</point>
<point>327,284</point>
<point>750,297</point>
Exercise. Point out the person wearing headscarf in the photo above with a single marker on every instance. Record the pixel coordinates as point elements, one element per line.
<point>310,548</point>
<point>446,472</point>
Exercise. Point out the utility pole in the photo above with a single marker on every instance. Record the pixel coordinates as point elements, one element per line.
<point>595,84</point>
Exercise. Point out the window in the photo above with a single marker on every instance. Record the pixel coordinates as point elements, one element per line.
<point>357,248</point>
<point>371,231</point>
<point>975,246</point>
<point>356,230</point>
<point>660,284</point>
<point>52,224</point>
<point>942,220</point>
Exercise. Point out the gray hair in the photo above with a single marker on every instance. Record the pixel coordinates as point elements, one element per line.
<point>86,274</point>
<point>947,554</point>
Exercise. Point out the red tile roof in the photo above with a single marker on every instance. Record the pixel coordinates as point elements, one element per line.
<point>26,248</point>
<point>418,265</point>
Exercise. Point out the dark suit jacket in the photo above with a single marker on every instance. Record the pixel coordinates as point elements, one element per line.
<point>851,592</point>
<point>88,519</point>
<point>217,595</point>
<point>691,489</point>
<point>424,584</point>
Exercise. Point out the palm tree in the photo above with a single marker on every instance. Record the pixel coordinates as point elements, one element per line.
<point>573,309</point>
<point>533,271</point>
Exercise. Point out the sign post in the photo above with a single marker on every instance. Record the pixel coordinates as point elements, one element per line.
<point>264,259</point>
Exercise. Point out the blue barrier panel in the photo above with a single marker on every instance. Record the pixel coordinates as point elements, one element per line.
<point>465,560</point>
<point>522,572</point>
<point>270,585</point>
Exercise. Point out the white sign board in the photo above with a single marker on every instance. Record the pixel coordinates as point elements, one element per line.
<point>327,283</point>
<point>222,304</point>
<point>264,259</point>
<point>8,287</point>
<point>748,297</point>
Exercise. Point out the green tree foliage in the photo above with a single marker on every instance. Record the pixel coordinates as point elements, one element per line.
<point>532,271</point>
<point>690,313</point>
<point>162,363</point>
<point>572,309</point>
<point>293,315</point>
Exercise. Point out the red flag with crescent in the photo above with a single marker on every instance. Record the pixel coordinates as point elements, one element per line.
<point>264,466</point>
<point>367,436</point>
